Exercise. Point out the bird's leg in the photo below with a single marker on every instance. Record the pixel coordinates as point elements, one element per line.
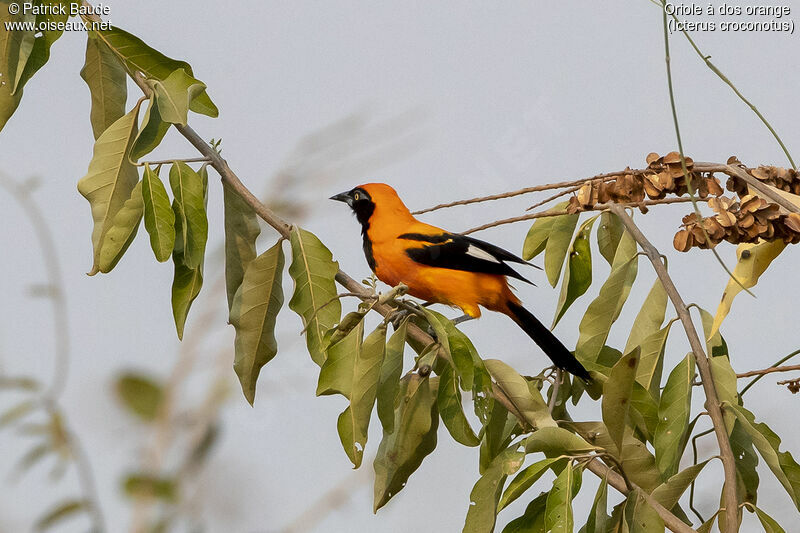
<point>554,390</point>
<point>463,318</point>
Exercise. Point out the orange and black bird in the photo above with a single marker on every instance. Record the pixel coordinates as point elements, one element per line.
<point>443,267</point>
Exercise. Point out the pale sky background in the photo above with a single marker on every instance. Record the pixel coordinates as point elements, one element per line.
<point>492,97</point>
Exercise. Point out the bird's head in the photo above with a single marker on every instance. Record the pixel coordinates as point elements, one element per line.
<point>364,199</point>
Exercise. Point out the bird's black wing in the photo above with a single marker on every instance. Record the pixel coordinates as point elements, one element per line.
<point>457,252</point>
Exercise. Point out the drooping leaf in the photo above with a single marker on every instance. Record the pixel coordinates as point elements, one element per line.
<point>525,480</point>
<point>753,261</point>
<point>636,459</point>
<point>391,370</point>
<point>673,416</point>
<point>640,516</point>
<point>536,240</point>
<point>498,431</point>
<point>532,521</point>
<point>253,314</point>
<point>354,421</point>
<point>111,178</point>
<point>241,232</point>
<point>651,361</point>
<point>336,374</point>
<point>313,270</point>
<point>554,441</point>
<point>617,395</point>
<point>558,515</point>
<point>528,403</point>
<point>669,493</point>
<point>60,513</point>
<point>140,57</point>
<point>448,402</point>
<point>122,230</point>
<point>145,485</point>
<point>598,520</point>
<point>608,236</point>
<point>722,373</point>
<point>402,451</point>
<point>644,411</point>
<point>485,495</point>
<point>557,245</point>
<point>746,459</point>
<point>23,56</point>
<point>151,133</point>
<point>604,310</point>
<point>106,78</point>
<point>767,442</point>
<point>141,395</point>
<point>159,218</point>
<point>578,272</point>
<point>650,316</point>
<point>174,95</point>
<point>190,213</point>
<point>769,524</point>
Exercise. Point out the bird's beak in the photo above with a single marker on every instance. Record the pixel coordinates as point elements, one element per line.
<point>345,197</point>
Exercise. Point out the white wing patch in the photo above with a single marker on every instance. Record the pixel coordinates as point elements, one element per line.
<point>474,251</point>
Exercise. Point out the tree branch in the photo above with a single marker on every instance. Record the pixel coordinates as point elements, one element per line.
<point>770,370</point>
<point>712,403</point>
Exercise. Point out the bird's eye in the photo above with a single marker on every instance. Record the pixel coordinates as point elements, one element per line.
<point>356,196</point>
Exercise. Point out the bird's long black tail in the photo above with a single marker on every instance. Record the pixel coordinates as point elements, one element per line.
<point>548,342</point>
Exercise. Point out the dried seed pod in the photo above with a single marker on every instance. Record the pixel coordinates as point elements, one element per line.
<point>683,241</point>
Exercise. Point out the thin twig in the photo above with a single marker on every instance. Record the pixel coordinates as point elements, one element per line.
<point>556,196</point>
<point>559,212</point>
<point>770,370</point>
<point>712,399</point>
<point>778,362</point>
<point>168,161</point>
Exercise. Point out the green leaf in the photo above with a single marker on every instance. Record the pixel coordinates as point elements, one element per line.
<point>650,316</point>
<point>673,416</point>
<point>107,81</point>
<point>60,513</point>
<point>528,403</point>
<point>644,410</point>
<point>402,451</point>
<point>536,240</point>
<point>554,441</point>
<point>651,361</point>
<point>141,395</point>
<point>110,179</point>
<point>558,515</point>
<point>769,523</point>
<point>532,521</point>
<point>767,442</point>
<point>174,94</point>
<point>748,270</point>
<point>190,213</point>
<point>669,493</point>
<point>186,285</point>
<point>608,236</point>
<point>391,370</point>
<point>159,218</point>
<point>605,309</point>
<point>498,431</point>
<point>241,232</point>
<point>578,273</point>
<point>525,480</point>
<point>641,518</point>
<point>617,392</point>
<point>353,423</point>
<point>148,486</point>
<point>598,520</point>
<point>557,245</point>
<point>722,373</point>
<point>23,57</point>
<point>336,374</point>
<point>746,462</point>
<point>253,314</point>
<point>636,459</point>
<point>448,402</point>
<point>313,271</point>
<point>485,495</point>
<point>139,56</point>
<point>151,133</point>
<point>122,230</point>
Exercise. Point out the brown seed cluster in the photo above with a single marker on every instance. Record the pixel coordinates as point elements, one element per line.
<point>664,175</point>
<point>747,220</point>
<point>785,179</point>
